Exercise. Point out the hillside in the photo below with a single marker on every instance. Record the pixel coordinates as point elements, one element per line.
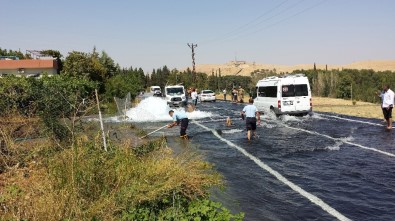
<point>246,68</point>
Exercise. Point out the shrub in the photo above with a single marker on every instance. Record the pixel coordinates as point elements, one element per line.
<point>50,98</point>
<point>16,96</point>
<point>86,183</point>
<point>60,97</point>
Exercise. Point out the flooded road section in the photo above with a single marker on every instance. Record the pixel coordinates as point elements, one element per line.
<point>319,167</point>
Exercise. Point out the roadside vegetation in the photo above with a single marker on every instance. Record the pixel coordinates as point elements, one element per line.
<point>81,181</point>
<point>359,85</point>
<point>53,165</point>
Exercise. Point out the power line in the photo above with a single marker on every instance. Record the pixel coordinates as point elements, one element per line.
<point>248,26</point>
<point>281,12</point>
<point>289,17</point>
<point>257,18</point>
<point>269,18</point>
<point>240,35</point>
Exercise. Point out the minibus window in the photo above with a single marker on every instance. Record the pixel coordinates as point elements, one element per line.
<point>269,91</point>
<point>301,90</point>
<point>288,91</point>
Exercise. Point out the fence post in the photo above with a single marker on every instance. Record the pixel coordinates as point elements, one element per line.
<point>101,122</point>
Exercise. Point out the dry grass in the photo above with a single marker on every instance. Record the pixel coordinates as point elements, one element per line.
<point>19,141</point>
<point>346,107</point>
<point>27,193</point>
<point>84,182</point>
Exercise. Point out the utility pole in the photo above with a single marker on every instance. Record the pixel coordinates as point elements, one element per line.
<point>193,46</point>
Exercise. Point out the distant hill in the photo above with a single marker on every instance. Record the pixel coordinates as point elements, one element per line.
<point>245,68</point>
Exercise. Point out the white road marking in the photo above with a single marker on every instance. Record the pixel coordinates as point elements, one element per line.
<point>317,201</point>
<point>351,120</point>
<point>340,139</point>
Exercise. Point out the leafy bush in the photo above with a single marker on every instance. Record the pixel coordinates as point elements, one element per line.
<point>199,210</point>
<point>62,97</point>
<point>50,98</point>
<point>16,96</point>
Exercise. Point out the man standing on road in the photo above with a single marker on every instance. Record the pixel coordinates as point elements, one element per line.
<point>194,96</point>
<point>234,95</point>
<point>179,117</point>
<point>380,94</point>
<point>251,113</point>
<point>224,92</point>
<point>388,104</point>
<point>241,94</point>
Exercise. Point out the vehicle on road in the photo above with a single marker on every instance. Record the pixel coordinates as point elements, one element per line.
<point>153,88</point>
<point>289,94</point>
<point>156,91</point>
<point>206,95</point>
<point>175,95</point>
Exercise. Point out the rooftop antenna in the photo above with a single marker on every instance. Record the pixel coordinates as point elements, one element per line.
<point>35,54</point>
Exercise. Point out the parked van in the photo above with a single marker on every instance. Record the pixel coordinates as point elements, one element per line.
<point>288,94</point>
<point>175,95</point>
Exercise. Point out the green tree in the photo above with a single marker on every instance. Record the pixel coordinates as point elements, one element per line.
<point>344,87</point>
<point>55,54</point>
<point>212,82</point>
<point>87,66</point>
<point>160,77</point>
<point>128,80</point>
<point>109,65</point>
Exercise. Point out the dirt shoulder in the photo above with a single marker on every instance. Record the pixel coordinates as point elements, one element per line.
<point>346,107</point>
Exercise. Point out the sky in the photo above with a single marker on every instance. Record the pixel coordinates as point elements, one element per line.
<point>153,33</point>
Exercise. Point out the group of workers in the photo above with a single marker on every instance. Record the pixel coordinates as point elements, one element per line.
<point>237,95</point>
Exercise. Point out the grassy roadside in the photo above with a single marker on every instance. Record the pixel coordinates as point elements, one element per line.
<point>346,107</point>
<point>46,180</point>
<point>339,106</point>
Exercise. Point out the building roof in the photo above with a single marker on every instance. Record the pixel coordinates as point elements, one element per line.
<point>16,64</point>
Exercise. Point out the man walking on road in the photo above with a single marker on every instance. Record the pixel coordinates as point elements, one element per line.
<point>251,113</point>
<point>388,104</point>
